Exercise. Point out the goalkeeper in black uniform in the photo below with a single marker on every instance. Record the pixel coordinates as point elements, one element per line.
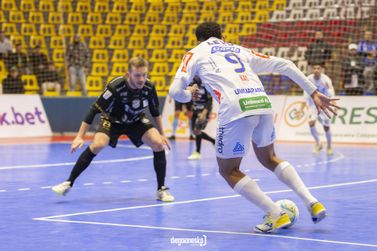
<point>202,107</point>
<point>122,106</point>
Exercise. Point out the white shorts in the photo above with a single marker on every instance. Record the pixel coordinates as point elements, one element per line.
<point>233,140</point>
<point>322,118</point>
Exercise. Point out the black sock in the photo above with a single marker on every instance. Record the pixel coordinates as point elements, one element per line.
<point>81,164</point>
<point>207,137</point>
<point>159,162</point>
<point>198,141</point>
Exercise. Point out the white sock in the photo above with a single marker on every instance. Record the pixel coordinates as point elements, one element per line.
<point>313,131</point>
<point>249,189</point>
<point>328,138</point>
<point>288,175</point>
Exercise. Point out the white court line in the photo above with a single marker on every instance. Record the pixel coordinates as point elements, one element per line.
<point>72,163</point>
<point>24,189</point>
<point>199,200</point>
<point>215,232</point>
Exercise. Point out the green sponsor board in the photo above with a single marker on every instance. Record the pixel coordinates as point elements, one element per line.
<point>253,103</point>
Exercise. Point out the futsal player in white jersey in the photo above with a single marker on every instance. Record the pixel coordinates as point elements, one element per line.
<point>324,85</point>
<point>229,73</point>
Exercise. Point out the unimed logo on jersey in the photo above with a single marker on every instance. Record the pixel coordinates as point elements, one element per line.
<point>293,115</point>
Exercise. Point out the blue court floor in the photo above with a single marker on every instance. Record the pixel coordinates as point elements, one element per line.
<point>112,205</point>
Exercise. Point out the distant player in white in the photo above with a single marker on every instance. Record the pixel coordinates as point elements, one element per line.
<point>324,86</point>
<point>229,73</point>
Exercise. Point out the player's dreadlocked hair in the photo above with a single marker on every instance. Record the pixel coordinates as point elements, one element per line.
<point>207,30</point>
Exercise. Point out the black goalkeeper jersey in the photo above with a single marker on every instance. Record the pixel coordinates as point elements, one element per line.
<point>121,104</point>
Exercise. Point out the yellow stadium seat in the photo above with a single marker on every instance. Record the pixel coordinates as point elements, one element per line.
<point>170,17</point>
<point>159,82</point>
<point>37,40</point>
<point>30,84</point>
<point>141,30</point>
<point>117,42</point>
<point>2,17</point>
<point>160,69</point>
<point>97,42</point>
<point>47,30</point>
<point>159,55</point>
<point>176,55</point>
<point>73,94</point>
<point>66,30</point>
<point>9,29</point>
<point>16,39</point>
<point>261,17</point>
<point>85,30</point>
<point>191,42</point>
<point>51,93</point>
<point>207,17</point>
<point>55,18</point>
<point>122,30</point>
<point>244,17</point>
<point>28,29</point>
<point>227,6</point>
<point>174,7</point>
<point>225,18</point>
<point>56,42</point>
<point>94,18</point>
<point>279,5</point>
<point>209,6</point>
<point>156,6</point>
<point>83,6</point>
<point>156,42</point>
<point>36,18</point>
<point>152,18</point>
<point>65,6</point>
<point>174,68</point>
<point>177,30</point>
<point>138,6</point>
<point>100,69</point>
<point>262,5</point>
<point>159,30</point>
<point>16,17</point>
<point>174,42</point>
<point>58,55</point>
<point>189,18</point>
<point>232,29</point>
<point>100,55</point>
<point>234,39</point>
<point>104,30</point>
<point>113,18</point>
<point>143,53</point>
<point>8,5</point>
<point>191,6</point>
<point>248,29</point>
<point>119,69</point>
<point>132,18</point>
<point>120,7</point>
<point>75,18</point>
<point>46,6</point>
<point>244,6</point>
<point>136,42</point>
<point>94,86</point>
<point>27,5</point>
<point>120,56</point>
<point>101,6</point>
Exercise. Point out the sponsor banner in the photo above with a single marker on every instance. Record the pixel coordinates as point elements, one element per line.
<point>356,121</point>
<point>23,116</point>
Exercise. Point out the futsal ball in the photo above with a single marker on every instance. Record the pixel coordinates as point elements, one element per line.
<point>290,208</point>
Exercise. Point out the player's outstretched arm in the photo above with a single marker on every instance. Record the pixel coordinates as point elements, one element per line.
<point>78,141</point>
<point>324,103</point>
